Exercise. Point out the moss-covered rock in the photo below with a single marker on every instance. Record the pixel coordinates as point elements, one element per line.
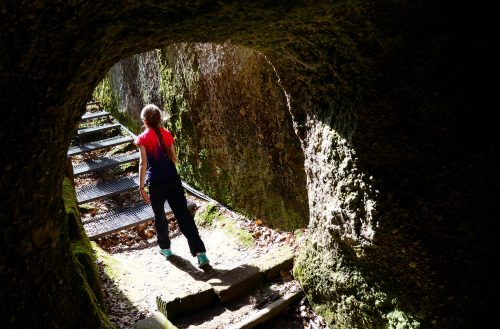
<point>234,133</point>
<point>391,102</point>
<point>86,268</point>
<point>210,215</point>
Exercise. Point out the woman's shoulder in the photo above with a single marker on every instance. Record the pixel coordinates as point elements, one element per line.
<point>142,136</point>
<point>166,131</point>
<point>167,134</point>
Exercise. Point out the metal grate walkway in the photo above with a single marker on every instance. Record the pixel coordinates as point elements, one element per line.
<point>120,219</point>
<point>117,219</point>
<point>94,115</point>
<point>91,130</point>
<point>103,163</point>
<point>93,146</point>
<point>102,189</point>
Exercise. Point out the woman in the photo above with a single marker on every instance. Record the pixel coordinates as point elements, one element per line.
<point>157,162</point>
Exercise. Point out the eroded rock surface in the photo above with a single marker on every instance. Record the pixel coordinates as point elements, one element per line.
<point>391,104</point>
<point>233,129</point>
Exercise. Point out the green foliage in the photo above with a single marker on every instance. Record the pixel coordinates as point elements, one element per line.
<point>208,216</point>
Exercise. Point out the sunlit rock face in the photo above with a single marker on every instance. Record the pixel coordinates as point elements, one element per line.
<point>133,83</point>
<point>233,129</point>
<point>391,105</point>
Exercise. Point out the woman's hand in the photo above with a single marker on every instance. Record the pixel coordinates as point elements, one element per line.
<point>144,195</point>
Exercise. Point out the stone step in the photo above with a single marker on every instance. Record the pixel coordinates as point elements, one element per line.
<point>102,163</point>
<point>239,315</point>
<point>233,284</point>
<point>225,287</point>
<point>267,313</point>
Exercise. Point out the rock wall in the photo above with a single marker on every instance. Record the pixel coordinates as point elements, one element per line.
<point>391,101</point>
<point>234,134</point>
<point>391,177</point>
<point>234,131</point>
<point>134,82</point>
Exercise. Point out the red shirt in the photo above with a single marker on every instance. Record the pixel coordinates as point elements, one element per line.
<point>159,164</point>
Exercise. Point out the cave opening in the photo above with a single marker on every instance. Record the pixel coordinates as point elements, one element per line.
<point>369,81</point>
<point>239,104</point>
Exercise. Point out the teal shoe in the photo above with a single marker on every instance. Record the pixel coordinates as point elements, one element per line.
<point>202,259</point>
<point>166,252</point>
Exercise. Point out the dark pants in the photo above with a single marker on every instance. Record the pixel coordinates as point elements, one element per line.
<point>173,192</point>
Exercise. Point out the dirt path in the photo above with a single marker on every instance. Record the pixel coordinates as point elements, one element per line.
<point>137,248</point>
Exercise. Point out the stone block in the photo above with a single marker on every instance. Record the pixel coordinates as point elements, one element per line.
<point>236,282</point>
<point>172,305</point>
<point>275,261</point>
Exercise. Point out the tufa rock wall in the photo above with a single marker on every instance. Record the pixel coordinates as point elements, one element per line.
<point>234,133</point>
<point>391,102</point>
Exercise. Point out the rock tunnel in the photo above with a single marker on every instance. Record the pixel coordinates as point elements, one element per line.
<point>390,101</point>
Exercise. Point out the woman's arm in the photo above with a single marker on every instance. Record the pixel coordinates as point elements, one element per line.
<point>143,161</point>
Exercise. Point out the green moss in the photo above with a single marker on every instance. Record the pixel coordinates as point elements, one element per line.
<point>109,102</point>
<point>242,235</point>
<point>69,197</point>
<point>87,265</point>
<point>208,216</point>
<point>212,216</point>
<point>104,94</point>
<point>400,320</point>
<point>112,267</point>
<point>86,278</point>
<point>342,291</point>
<point>126,121</point>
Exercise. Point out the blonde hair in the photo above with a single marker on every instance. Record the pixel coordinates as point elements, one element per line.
<point>151,115</point>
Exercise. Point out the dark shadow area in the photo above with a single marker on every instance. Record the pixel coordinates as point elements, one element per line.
<point>408,85</point>
<point>118,306</point>
<point>200,274</point>
<point>222,315</point>
<point>417,112</point>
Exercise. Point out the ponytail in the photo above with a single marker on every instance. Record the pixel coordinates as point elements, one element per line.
<point>151,114</point>
<point>168,151</point>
